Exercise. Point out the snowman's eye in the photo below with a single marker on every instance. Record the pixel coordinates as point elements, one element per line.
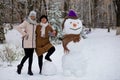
<point>70,22</point>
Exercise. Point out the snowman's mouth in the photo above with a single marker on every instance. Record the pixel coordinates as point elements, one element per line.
<point>75,29</point>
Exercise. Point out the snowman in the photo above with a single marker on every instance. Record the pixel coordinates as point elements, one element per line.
<point>72,60</point>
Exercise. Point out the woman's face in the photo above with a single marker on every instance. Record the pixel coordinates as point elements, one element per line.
<point>43,20</point>
<point>32,17</point>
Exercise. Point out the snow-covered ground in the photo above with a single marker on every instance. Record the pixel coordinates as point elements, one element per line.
<point>101,49</point>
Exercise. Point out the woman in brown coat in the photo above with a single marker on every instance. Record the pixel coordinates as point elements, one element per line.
<point>43,31</point>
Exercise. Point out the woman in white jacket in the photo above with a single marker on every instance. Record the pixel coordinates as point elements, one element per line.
<point>27,29</point>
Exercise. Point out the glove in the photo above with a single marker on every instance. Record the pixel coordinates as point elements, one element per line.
<point>51,34</point>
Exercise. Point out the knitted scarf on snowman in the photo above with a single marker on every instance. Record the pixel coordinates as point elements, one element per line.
<point>68,38</point>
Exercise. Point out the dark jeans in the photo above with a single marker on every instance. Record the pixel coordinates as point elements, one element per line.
<point>40,58</point>
<point>28,55</point>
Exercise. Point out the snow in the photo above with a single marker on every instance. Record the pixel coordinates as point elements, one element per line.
<point>14,34</point>
<point>74,63</point>
<point>48,68</point>
<point>102,53</point>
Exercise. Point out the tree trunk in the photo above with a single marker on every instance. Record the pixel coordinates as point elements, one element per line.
<point>42,9</point>
<point>95,13</point>
<point>118,20</point>
<point>66,7</point>
<point>90,17</point>
<point>12,11</point>
<point>117,10</point>
<point>118,30</point>
<point>45,7</point>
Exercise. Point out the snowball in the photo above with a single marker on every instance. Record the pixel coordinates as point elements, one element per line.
<point>49,68</point>
<point>14,37</point>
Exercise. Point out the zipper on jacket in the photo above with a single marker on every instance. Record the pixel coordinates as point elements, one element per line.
<point>33,36</point>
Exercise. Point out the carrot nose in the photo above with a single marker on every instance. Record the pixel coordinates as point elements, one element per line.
<point>74,25</point>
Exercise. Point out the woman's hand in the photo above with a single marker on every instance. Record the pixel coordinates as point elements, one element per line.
<point>53,33</point>
<point>25,36</point>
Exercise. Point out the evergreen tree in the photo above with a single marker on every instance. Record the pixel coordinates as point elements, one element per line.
<point>55,19</point>
<point>2,36</point>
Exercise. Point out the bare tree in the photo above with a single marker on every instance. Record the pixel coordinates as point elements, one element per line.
<point>20,8</point>
<point>94,13</point>
<point>12,10</point>
<point>117,10</point>
<point>66,6</point>
<point>23,7</point>
<point>41,8</point>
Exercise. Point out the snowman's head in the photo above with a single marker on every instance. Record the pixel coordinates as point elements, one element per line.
<point>72,26</point>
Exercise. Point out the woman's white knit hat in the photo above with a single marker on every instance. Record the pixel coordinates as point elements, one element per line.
<point>32,13</point>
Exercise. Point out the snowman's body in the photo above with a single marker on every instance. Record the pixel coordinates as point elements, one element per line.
<point>72,62</point>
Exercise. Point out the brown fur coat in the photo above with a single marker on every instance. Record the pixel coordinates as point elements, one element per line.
<point>42,43</point>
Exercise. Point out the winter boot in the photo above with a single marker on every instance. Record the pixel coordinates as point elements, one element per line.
<point>40,66</point>
<point>30,72</point>
<point>40,72</point>
<point>19,68</point>
<point>50,52</point>
<point>40,63</point>
<point>48,58</point>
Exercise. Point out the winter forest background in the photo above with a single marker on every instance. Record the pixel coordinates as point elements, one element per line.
<point>94,13</point>
<point>101,19</point>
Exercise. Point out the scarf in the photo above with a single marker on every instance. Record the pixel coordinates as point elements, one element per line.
<point>43,29</point>
<point>29,20</point>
